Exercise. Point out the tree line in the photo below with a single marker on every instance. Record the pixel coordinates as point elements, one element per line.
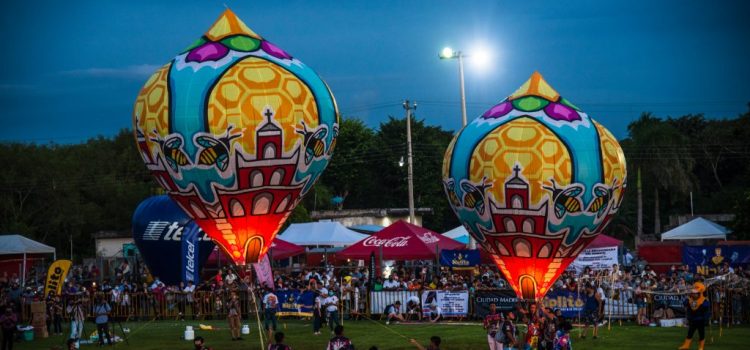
<point>56,193</point>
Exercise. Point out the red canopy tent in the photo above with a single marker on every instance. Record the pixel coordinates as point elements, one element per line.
<point>603,240</point>
<point>400,241</point>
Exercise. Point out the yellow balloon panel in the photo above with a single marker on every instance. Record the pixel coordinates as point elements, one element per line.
<point>245,90</point>
<point>532,146</point>
<point>152,103</point>
<point>613,160</point>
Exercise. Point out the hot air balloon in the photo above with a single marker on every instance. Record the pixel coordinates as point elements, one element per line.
<point>236,131</point>
<point>173,246</point>
<point>534,180</point>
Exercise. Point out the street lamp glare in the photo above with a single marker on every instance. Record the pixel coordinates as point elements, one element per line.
<point>447,53</point>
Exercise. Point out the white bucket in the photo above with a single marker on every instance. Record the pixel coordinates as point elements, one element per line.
<point>245,329</point>
<point>189,333</point>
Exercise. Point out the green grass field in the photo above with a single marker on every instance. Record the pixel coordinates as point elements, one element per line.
<point>168,334</point>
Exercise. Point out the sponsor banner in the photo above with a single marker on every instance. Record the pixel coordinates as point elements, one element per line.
<point>264,272</point>
<point>504,300</point>
<point>371,270</point>
<point>569,302</point>
<point>395,242</point>
<point>446,303</point>
<point>56,277</point>
<point>379,300</point>
<point>459,258</point>
<point>705,260</point>
<point>295,303</point>
<point>595,258</point>
<point>675,302</point>
<point>190,253</point>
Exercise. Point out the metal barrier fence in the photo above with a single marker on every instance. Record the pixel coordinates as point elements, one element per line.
<point>727,304</point>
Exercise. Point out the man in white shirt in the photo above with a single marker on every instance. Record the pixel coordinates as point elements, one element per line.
<point>331,305</point>
<point>189,297</point>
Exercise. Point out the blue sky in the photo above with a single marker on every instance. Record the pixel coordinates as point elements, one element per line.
<point>72,69</point>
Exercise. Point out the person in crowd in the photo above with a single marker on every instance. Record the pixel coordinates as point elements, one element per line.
<point>318,310</point>
<point>233,316</point>
<point>8,323</point>
<point>698,311</point>
<point>200,344</point>
<point>189,292</point>
<point>56,314</point>
<point>591,311</point>
<point>101,311</point>
<point>77,317</point>
<point>413,307</point>
<point>278,342</point>
<point>434,343</point>
<point>508,329</point>
<point>491,324</point>
<point>270,306</point>
<point>394,312</point>
<point>331,305</point>
<point>563,340</point>
<point>339,341</point>
<point>549,328</point>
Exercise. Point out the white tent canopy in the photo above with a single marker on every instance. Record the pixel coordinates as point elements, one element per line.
<point>459,234</point>
<point>698,228</point>
<point>17,244</point>
<point>321,233</point>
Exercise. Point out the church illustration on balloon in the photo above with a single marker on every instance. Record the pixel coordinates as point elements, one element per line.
<point>534,180</point>
<point>236,131</point>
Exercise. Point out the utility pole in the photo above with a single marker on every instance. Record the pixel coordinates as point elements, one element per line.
<point>410,170</point>
<point>463,90</point>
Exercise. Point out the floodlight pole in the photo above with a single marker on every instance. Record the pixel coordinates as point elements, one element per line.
<point>463,90</point>
<point>410,170</point>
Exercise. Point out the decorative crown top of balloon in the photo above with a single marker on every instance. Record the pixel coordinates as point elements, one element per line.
<point>534,180</point>
<point>534,95</point>
<point>230,33</point>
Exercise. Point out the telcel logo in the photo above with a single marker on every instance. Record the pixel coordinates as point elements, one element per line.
<point>173,230</point>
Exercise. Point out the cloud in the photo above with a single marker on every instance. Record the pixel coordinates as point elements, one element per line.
<point>128,72</point>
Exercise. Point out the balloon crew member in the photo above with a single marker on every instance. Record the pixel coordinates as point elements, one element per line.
<point>233,316</point>
<point>698,311</point>
<point>508,330</point>
<point>491,324</point>
<point>591,311</point>
<point>394,312</point>
<point>8,323</point>
<point>331,305</point>
<point>562,337</point>
<point>77,317</point>
<point>270,306</point>
<point>339,341</point>
<point>101,311</point>
<point>279,342</point>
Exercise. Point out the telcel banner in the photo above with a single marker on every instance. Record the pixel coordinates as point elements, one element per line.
<point>704,260</point>
<point>459,258</point>
<point>450,304</point>
<point>56,277</point>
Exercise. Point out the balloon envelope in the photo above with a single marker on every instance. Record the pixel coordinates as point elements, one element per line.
<point>236,131</point>
<point>172,245</point>
<point>534,180</point>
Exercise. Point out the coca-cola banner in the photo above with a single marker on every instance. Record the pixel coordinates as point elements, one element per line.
<point>395,242</point>
<point>445,302</point>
